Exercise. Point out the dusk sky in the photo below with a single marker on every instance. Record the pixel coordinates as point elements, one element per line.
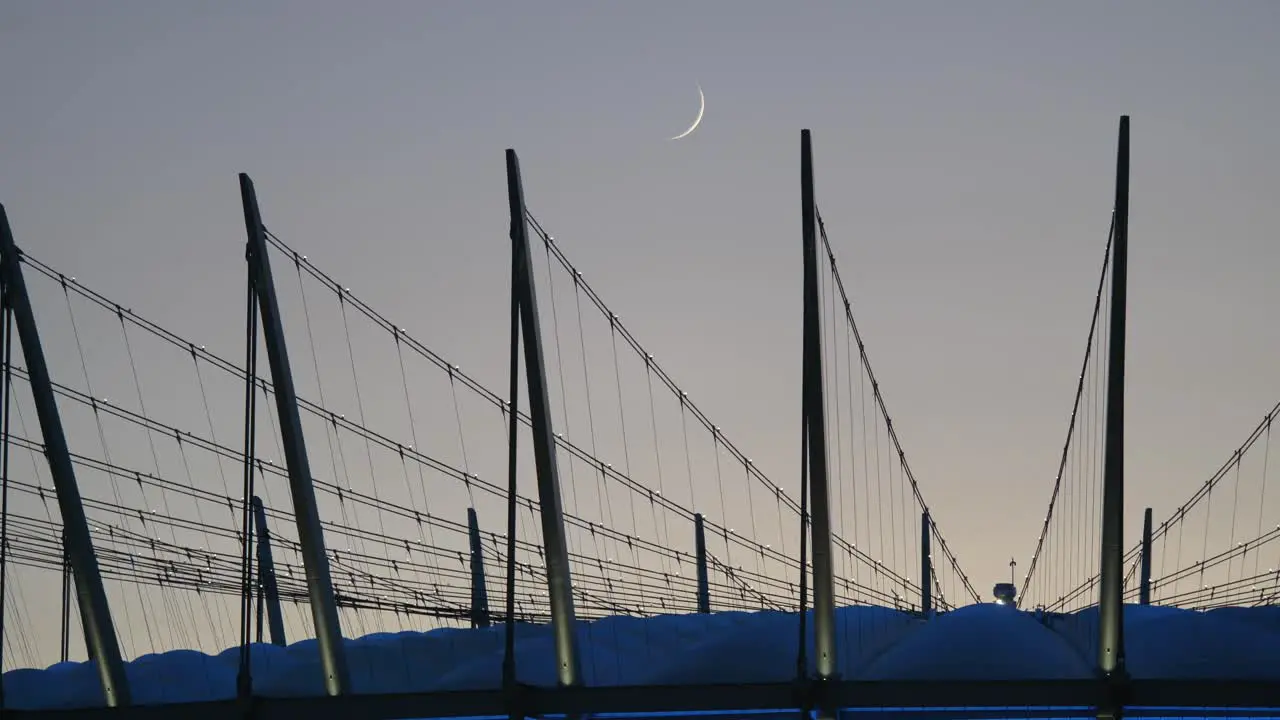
<point>964,159</point>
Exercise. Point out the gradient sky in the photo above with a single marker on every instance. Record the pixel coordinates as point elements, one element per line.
<point>964,162</point>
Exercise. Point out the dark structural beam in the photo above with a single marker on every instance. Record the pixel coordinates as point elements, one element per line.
<point>509,679</point>
<point>95,615</point>
<point>6,412</point>
<point>559,582</point>
<point>700,556</point>
<point>1111,581</point>
<point>270,593</point>
<point>918,700</point>
<point>926,566</point>
<point>324,610</point>
<point>814,426</point>
<point>1144,586</point>
<point>479,593</point>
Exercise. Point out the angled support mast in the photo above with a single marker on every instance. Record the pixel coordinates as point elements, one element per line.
<point>95,615</point>
<point>479,592</point>
<point>700,556</point>
<point>270,595</point>
<point>324,609</point>
<point>815,431</point>
<point>1111,662</point>
<point>1144,582</point>
<point>524,295</point>
<point>926,566</point>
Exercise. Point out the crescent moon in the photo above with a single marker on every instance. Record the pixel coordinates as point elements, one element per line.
<point>702,106</point>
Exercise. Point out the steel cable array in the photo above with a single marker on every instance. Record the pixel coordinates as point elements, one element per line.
<point>154,528</point>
